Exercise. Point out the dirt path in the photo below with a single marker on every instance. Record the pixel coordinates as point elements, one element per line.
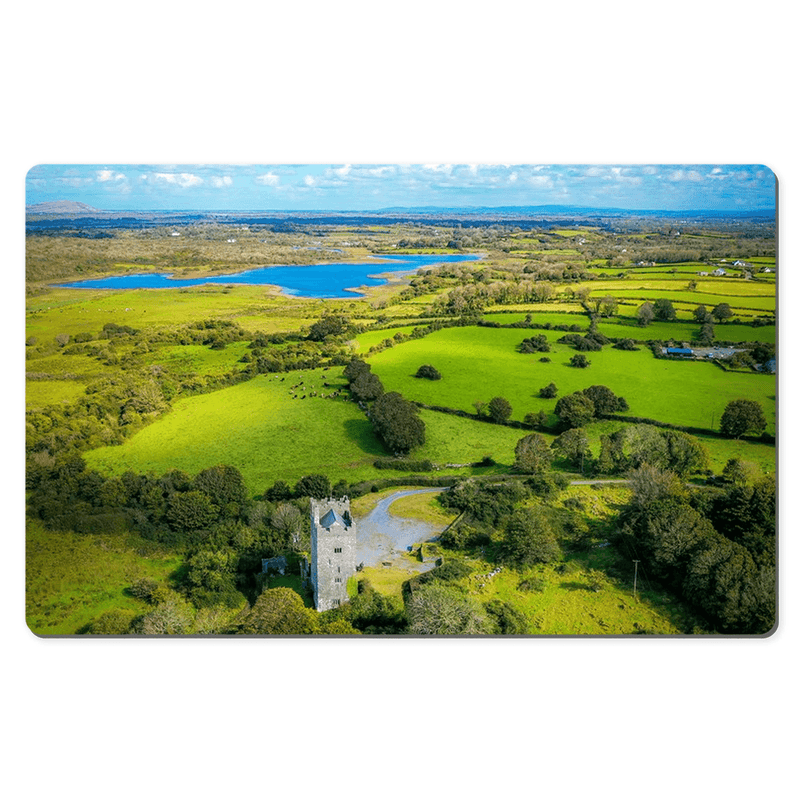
<point>383,536</point>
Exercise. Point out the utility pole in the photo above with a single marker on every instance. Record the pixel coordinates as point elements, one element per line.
<point>635,574</point>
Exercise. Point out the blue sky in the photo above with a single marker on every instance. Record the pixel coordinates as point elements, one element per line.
<point>127,187</point>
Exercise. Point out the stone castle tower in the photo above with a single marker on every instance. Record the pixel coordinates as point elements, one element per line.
<point>333,551</point>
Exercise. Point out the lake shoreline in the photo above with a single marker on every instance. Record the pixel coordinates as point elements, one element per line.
<point>290,280</point>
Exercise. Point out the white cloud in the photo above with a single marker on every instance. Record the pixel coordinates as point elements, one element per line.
<point>446,168</point>
<point>105,175</point>
<point>540,180</point>
<point>182,179</point>
<point>220,183</point>
<point>268,179</point>
<point>309,180</point>
<point>74,182</point>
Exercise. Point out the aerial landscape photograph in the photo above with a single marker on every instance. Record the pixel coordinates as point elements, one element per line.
<point>401,400</point>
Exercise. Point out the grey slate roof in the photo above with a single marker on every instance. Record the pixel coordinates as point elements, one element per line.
<point>331,518</point>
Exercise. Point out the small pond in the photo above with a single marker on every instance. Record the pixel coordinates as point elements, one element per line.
<point>382,536</point>
<point>337,279</point>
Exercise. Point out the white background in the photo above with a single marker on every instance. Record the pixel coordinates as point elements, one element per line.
<point>508,82</point>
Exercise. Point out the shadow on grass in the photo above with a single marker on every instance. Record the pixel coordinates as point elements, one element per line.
<point>360,431</point>
<point>574,586</point>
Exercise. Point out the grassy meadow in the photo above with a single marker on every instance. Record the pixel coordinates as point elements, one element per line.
<point>266,433</point>
<point>481,363</point>
<point>72,579</point>
<point>581,599</point>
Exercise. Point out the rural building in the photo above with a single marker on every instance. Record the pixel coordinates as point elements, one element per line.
<point>333,551</point>
<point>719,271</point>
<point>679,352</point>
<point>769,366</point>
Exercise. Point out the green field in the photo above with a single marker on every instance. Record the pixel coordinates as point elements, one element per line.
<point>201,360</point>
<point>72,579</point>
<point>480,363</point>
<point>541,317</point>
<point>371,338</point>
<point>86,310</point>
<point>581,600</point>
<point>259,428</point>
<point>746,303</point>
<point>40,394</point>
<point>681,331</point>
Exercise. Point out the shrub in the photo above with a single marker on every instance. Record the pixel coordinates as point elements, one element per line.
<point>579,360</point>
<point>143,589</point>
<point>534,583</point>
<point>112,623</point>
<point>313,486</point>
<point>499,409</point>
<point>429,372</point>
<point>549,391</point>
<point>508,619</point>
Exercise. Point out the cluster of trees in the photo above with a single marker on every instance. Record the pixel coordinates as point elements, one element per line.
<point>627,448</point>
<point>535,344</point>
<point>513,522</point>
<point>396,421</point>
<point>678,534</point>
<point>635,445</point>
<point>580,408</point>
<point>661,310</point>
<point>593,341</point>
<point>210,519</point>
<point>741,417</point>
<point>330,326</point>
<point>498,409</point>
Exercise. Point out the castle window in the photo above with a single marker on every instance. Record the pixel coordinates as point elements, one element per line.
<point>335,602</point>
<point>337,580</point>
<point>337,549</point>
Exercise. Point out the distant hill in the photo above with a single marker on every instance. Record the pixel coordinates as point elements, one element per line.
<point>62,207</point>
<point>577,211</point>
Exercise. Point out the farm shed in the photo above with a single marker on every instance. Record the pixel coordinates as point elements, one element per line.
<point>680,352</point>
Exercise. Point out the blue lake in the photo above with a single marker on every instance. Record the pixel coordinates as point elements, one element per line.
<point>315,280</point>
